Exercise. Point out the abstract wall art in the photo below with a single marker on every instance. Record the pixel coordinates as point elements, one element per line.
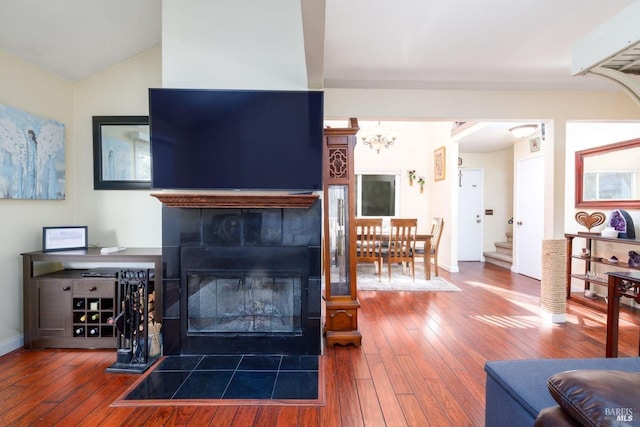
<point>32,158</point>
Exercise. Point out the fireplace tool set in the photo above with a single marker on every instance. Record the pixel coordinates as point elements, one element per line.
<point>138,341</point>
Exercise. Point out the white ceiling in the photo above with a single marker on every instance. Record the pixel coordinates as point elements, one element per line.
<point>433,44</point>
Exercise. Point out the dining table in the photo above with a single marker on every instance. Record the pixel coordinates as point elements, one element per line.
<point>426,239</point>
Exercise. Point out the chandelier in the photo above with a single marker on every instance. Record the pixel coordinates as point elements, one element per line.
<point>379,138</point>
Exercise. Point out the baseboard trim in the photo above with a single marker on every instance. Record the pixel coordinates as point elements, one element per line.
<point>12,344</point>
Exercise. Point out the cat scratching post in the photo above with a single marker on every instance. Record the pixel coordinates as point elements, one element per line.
<point>553,297</point>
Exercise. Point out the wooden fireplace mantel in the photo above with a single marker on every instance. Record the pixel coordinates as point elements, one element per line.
<point>258,200</point>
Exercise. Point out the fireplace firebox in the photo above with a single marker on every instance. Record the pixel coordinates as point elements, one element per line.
<point>242,280</point>
<point>243,302</point>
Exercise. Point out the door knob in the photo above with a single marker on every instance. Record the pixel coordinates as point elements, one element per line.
<point>519,223</point>
<point>478,220</point>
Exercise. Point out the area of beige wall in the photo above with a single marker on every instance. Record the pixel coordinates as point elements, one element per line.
<point>497,168</point>
<point>129,218</point>
<point>37,92</point>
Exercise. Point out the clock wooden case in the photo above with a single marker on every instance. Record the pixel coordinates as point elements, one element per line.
<point>341,324</point>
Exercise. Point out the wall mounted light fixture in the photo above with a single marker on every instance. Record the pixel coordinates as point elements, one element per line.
<point>523,131</point>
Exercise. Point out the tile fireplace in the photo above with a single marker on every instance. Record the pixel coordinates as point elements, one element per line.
<point>242,274</point>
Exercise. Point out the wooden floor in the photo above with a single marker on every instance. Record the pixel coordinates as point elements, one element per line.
<point>421,363</point>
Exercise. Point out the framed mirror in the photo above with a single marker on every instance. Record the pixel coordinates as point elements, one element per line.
<point>609,176</point>
<point>121,153</point>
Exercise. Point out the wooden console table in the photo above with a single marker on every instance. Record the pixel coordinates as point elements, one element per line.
<point>64,309</point>
<point>621,284</point>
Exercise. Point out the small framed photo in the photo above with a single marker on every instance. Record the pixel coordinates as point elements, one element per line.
<point>64,238</point>
<point>534,144</point>
<point>439,164</point>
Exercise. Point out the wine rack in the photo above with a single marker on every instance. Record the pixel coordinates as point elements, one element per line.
<point>92,317</point>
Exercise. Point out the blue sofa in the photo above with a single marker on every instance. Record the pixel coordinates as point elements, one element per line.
<point>516,390</point>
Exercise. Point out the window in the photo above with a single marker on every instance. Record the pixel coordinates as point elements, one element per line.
<point>377,195</point>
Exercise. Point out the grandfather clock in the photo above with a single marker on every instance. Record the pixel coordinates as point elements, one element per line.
<point>341,325</point>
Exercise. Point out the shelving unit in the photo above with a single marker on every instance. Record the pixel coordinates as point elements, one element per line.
<point>92,315</point>
<point>594,259</point>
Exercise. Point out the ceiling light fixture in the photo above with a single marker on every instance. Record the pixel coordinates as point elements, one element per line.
<point>523,131</point>
<point>379,138</point>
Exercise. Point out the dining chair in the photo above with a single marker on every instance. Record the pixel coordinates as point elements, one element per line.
<point>369,245</point>
<point>401,245</point>
<point>437,224</point>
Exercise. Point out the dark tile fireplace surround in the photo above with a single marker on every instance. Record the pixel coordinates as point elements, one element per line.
<point>242,275</point>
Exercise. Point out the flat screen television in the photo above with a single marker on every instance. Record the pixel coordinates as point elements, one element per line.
<point>236,139</point>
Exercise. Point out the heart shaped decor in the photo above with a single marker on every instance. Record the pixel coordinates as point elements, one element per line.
<point>590,220</point>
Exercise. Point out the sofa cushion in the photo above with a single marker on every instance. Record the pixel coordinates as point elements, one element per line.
<point>555,416</point>
<point>597,397</point>
<point>516,390</point>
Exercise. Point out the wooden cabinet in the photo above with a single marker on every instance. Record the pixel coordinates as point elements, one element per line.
<point>339,252</point>
<point>64,309</point>
<point>591,268</point>
<point>51,303</point>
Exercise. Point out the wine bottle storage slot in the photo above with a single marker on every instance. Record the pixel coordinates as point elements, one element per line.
<point>91,317</point>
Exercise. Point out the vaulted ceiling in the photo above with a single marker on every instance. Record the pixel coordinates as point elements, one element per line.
<point>406,44</point>
<point>455,44</point>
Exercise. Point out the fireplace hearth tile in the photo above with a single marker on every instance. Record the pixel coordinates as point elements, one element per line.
<point>251,385</point>
<point>299,363</point>
<point>184,363</point>
<point>220,362</point>
<point>159,385</point>
<point>296,385</point>
<point>260,363</point>
<point>204,385</point>
<point>226,377</point>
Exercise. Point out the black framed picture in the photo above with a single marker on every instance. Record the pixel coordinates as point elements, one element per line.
<point>64,238</point>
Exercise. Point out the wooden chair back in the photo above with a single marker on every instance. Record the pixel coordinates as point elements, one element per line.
<point>402,242</point>
<point>369,245</point>
<point>436,233</point>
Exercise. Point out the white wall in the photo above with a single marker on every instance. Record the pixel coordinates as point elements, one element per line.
<point>242,44</point>
<point>35,91</point>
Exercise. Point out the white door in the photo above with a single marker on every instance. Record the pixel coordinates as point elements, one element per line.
<point>529,223</point>
<point>469,214</point>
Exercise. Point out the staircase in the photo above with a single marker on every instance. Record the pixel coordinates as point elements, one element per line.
<point>503,256</point>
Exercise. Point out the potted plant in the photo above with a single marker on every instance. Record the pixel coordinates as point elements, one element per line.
<point>412,176</point>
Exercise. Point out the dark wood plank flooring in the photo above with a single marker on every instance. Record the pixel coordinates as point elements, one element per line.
<point>421,363</point>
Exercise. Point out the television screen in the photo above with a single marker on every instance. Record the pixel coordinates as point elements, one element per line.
<point>236,139</point>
